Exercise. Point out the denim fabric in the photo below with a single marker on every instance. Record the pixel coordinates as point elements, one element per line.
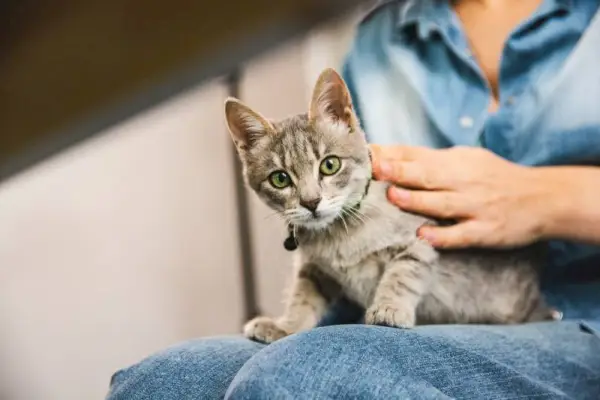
<point>200,369</point>
<point>414,81</point>
<point>340,360</point>
<point>541,361</point>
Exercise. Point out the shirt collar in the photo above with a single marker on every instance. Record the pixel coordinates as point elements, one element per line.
<point>426,15</point>
<point>551,6</point>
<point>431,15</point>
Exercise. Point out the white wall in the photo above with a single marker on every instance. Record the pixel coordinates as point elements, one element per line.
<point>127,243</point>
<point>328,45</point>
<point>112,250</point>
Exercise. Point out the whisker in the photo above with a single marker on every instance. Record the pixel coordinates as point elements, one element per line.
<point>272,214</point>
<point>349,213</point>
<point>357,219</point>
<point>372,207</point>
<point>343,215</point>
<point>358,215</point>
<point>344,222</point>
<point>293,214</point>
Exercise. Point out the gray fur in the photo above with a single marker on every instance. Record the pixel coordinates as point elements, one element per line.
<point>361,246</point>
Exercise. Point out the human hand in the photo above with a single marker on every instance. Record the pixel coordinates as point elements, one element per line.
<point>496,203</point>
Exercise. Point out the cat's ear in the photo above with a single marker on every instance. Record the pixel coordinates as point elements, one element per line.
<point>331,100</point>
<point>245,125</point>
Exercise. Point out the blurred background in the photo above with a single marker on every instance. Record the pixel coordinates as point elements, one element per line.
<point>129,241</point>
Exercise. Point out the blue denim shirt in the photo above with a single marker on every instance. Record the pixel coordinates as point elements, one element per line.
<point>414,81</point>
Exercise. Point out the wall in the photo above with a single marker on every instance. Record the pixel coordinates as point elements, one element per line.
<point>128,243</point>
<point>115,248</point>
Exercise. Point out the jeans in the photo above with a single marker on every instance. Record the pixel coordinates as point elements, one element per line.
<point>555,360</point>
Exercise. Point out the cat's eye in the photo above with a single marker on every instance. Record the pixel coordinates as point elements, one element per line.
<point>330,165</point>
<point>280,179</point>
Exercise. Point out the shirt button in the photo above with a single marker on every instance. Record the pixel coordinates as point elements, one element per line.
<point>466,122</point>
<point>510,101</point>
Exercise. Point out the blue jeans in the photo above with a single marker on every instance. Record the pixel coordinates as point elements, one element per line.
<point>556,360</point>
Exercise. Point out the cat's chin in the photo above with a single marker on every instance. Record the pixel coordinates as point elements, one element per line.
<point>318,224</point>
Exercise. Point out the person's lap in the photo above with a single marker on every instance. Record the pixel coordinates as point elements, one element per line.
<point>547,360</point>
<point>201,368</point>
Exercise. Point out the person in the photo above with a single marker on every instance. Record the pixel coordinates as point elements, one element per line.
<point>496,105</point>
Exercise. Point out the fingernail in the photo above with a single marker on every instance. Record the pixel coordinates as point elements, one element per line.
<point>401,195</point>
<point>426,235</point>
<point>385,169</point>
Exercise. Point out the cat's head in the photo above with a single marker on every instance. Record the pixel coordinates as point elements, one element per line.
<point>309,167</point>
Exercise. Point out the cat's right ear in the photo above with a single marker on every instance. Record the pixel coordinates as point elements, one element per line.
<point>245,125</point>
<point>331,101</point>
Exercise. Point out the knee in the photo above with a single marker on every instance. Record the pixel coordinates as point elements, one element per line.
<point>187,370</point>
<point>276,372</point>
<point>350,361</point>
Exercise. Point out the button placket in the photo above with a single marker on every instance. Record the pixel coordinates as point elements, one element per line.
<point>466,122</point>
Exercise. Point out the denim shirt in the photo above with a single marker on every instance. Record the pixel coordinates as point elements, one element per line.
<point>414,81</point>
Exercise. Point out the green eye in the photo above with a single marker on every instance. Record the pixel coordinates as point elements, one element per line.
<point>330,165</point>
<point>280,179</point>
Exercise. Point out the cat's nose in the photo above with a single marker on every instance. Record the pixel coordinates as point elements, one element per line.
<point>311,204</point>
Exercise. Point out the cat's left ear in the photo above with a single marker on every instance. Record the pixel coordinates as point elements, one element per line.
<point>331,100</point>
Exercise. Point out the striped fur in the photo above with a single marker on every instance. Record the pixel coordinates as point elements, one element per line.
<point>365,248</point>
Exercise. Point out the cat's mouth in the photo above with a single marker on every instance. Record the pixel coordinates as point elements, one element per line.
<point>330,210</point>
<point>317,220</point>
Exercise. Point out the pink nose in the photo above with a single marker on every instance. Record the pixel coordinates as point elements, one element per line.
<point>311,204</point>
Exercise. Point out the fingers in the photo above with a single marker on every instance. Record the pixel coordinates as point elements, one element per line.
<point>440,204</point>
<point>405,153</point>
<point>415,175</point>
<point>462,235</point>
<point>383,154</point>
<point>379,158</point>
<point>413,167</point>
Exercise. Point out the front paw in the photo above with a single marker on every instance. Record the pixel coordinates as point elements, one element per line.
<point>264,329</point>
<point>390,315</point>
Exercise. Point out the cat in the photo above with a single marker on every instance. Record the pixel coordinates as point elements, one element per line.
<point>314,169</point>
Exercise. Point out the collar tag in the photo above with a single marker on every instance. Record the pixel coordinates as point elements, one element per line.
<point>290,243</point>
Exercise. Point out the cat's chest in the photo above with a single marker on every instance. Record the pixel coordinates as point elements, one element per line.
<point>357,269</point>
<point>343,254</point>
<point>358,281</point>
<point>344,249</point>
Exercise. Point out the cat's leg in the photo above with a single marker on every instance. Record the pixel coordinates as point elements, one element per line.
<point>401,288</point>
<point>397,296</point>
<point>305,305</point>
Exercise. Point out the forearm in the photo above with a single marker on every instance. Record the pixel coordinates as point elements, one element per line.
<point>572,209</point>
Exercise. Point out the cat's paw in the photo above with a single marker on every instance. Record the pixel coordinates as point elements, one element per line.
<point>390,315</point>
<point>264,329</point>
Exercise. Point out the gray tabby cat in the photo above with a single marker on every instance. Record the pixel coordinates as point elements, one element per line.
<point>315,170</point>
